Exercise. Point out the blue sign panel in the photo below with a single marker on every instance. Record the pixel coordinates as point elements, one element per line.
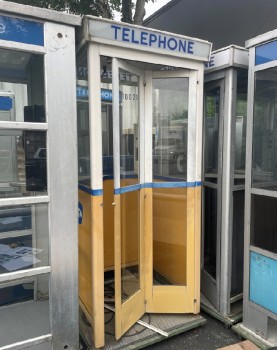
<point>6,103</point>
<point>263,276</point>
<point>266,53</point>
<point>106,94</point>
<point>21,31</point>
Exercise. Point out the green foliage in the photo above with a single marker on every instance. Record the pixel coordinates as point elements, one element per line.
<point>80,7</point>
<point>102,8</point>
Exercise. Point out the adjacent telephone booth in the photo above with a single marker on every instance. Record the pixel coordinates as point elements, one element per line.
<point>38,155</point>
<point>139,103</point>
<point>225,101</point>
<point>260,254</point>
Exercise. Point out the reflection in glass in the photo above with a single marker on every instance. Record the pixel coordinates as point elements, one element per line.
<point>264,162</point>
<point>23,237</point>
<point>170,127</point>
<point>129,127</point>
<point>25,308</point>
<point>130,238</point>
<point>83,118</point>
<point>21,87</point>
<point>264,223</point>
<point>240,127</point>
<point>169,236</point>
<point>212,110</point>
<point>237,243</point>
<point>210,230</point>
<point>23,163</point>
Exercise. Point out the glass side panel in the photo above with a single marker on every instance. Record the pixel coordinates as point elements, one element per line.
<point>170,236</point>
<point>237,243</point>
<point>23,163</point>
<point>130,238</point>
<point>129,127</point>
<point>210,230</point>
<point>264,222</point>
<point>21,87</point>
<point>24,237</point>
<point>83,119</point>
<point>211,130</point>
<point>264,161</point>
<point>240,127</point>
<point>25,308</point>
<point>170,128</point>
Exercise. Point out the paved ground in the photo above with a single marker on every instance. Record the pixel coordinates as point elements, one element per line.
<point>212,335</point>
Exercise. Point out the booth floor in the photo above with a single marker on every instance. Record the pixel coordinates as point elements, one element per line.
<point>139,337</point>
<point>204,333</point>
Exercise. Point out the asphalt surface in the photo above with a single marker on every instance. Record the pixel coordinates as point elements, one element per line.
<point>213,335</point>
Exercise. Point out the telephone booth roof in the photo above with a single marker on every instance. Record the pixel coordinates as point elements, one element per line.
<point>11,8</point>
<point>144,39</point>
<point>230,56</point>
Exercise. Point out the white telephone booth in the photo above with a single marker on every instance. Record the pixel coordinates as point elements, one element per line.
<point>38,176</point>
<point>260,252</point>
<point>225,102</point>
<point>140,97</point>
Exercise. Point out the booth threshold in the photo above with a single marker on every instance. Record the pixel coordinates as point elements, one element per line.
<point>139,337</point>
<point>253,337</point>
<point>230,320</point>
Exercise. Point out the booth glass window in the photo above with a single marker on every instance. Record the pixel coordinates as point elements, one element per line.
<point>240,127</point>
<point>21,87</point>
<point>83,117</point>
<point>23,163</point>
<point>24,237</point>
<point>264,223</point>
<point>24,305</point>
<point>264,162</point>
<point>129,128</point>
<point>170,128</point>
<point>212,110</point>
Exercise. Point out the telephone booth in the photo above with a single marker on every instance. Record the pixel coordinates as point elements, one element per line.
<point>260,253</point>
<point>38,155</point>
<point>139,106</point>
<point>225,102</point>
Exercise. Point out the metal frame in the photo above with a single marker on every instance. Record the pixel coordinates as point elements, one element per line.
<point>224,72</point>
<point>255,317</point>
<point>61,172</point>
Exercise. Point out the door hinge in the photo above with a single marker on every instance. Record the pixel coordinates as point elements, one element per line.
<point>144,83</point>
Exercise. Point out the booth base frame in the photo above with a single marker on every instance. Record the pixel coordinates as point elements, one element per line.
<point>254,338</point>
<point>138,337</point>
<point>230,320</point>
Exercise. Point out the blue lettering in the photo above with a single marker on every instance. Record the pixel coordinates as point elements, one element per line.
<point>190,47</point>
<point>210,63</point>
<point>162,42</point>
<point>152,39</point>
<point>125,34</point>
<point>133,37</point>
<point>143,38</point>
<point>2,28</point>
<point>172,40</point>
<point>116,28</point>
<point>182,45</point>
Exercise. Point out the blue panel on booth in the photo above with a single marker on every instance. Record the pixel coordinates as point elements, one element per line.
<point>6,103</point>
<point>266,53</point>
<point>21,30</point>
<point>263,277</point>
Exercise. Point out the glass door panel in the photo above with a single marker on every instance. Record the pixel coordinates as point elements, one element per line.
<point>173,247</point>
<point>129,294</point>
